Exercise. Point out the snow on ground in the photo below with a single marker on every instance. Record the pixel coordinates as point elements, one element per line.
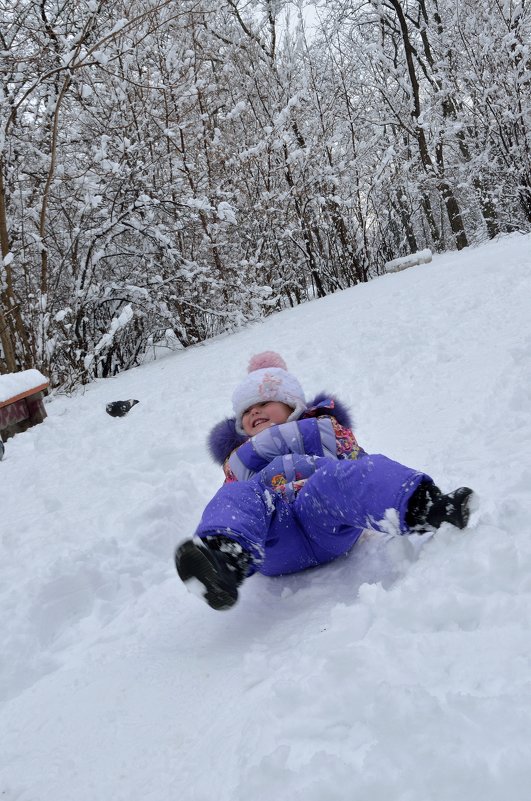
<point>401,672</point>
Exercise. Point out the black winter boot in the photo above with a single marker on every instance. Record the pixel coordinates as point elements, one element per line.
<point>428,508</point>
<point>218,563</point>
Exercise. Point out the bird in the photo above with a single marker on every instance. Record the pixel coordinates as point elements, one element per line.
<point>120,408</point>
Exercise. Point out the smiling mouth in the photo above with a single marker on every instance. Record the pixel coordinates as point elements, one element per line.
<point>259,421</point>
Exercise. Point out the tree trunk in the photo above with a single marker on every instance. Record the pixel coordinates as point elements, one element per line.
<point>450,201</point>
<point>6,337</point>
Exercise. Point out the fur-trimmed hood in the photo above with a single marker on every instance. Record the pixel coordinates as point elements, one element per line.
<point>224,438</point>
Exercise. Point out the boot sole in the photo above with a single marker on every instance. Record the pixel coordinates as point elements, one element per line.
<point>192,563</point>
<point>465,508</point>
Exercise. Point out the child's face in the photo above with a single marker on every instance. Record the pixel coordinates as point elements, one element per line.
<point>263,415</point>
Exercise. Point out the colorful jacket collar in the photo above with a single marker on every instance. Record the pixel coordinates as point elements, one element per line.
<point>224,438</point>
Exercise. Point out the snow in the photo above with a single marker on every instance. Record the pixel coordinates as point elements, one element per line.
<point>125,317</point>
<point>403,262</point>
<point>400,672</point>
<point>12,384</point>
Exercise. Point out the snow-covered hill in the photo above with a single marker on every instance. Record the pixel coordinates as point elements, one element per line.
<point>399,673</point>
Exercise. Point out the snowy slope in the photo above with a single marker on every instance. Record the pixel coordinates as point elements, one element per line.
<point>400,673</point>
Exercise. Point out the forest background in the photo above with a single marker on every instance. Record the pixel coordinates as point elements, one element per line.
<point>171,170</point>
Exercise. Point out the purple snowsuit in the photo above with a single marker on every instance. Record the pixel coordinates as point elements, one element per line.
<point>298,500</point>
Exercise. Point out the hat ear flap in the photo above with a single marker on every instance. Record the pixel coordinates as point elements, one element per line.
<point>299,409</point>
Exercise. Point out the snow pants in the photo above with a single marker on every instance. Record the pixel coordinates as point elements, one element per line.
<point>320,522</point>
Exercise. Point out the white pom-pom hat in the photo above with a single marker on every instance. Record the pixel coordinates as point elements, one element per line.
<point>268,380</point>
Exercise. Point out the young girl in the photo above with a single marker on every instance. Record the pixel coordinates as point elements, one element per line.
<point>298,490</point>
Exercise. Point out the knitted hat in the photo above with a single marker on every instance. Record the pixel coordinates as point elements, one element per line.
<point>268,380</point>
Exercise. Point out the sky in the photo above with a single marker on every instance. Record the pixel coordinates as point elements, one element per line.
<point>401,671</point>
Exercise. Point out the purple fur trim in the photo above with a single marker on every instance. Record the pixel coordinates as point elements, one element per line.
<point>340,411</point>
<point>224,438</point>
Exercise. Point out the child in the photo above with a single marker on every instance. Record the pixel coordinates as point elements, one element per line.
<point>298,490</point>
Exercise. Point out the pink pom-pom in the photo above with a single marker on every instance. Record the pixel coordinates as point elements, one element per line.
<point>266,359</point>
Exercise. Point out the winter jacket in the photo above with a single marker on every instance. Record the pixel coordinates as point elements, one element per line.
<point>300,494</point>
<point>324,430</point>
